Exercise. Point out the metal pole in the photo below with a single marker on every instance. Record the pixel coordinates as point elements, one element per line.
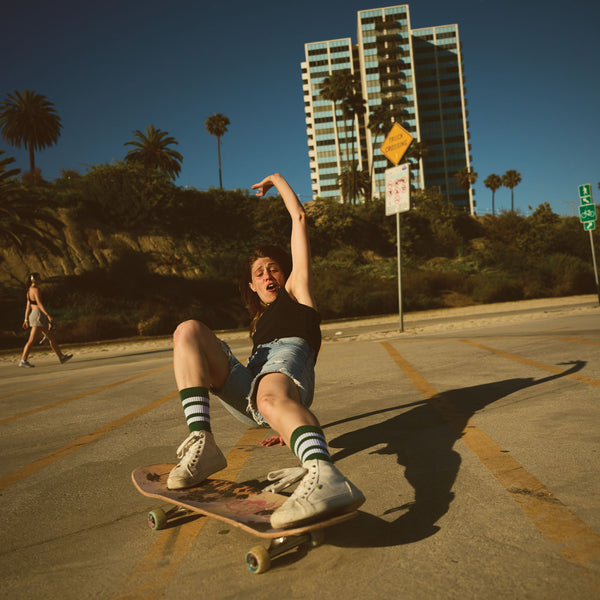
<point>399,272</point>
<point>595,266</point>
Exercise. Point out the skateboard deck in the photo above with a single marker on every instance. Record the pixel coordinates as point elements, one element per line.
<point>243,505</point>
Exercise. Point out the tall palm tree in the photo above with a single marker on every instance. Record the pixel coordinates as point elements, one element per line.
<point>217,126</point>
<point>150,149</point>
<point>511,179</point>
<point>354,107</point>
<point>380,123</point>
<point>465,178</point>
<point>493,182</point>
<point>29,119</point>
<point>339,87</point>
<point>354,182</point>
<point>336,89</point>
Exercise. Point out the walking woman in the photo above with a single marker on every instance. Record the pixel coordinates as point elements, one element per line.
<point>275,388</point>
<point>39,322</point>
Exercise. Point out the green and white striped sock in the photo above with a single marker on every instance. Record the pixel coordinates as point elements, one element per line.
<point>308,442</point>
<point>196,408</point>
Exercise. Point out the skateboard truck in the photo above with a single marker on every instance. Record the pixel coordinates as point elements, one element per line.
<point>258,558</point>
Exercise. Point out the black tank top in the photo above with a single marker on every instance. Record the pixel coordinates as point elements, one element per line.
<point>287,318</point>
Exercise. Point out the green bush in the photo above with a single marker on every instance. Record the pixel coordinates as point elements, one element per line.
<point>486,288</point>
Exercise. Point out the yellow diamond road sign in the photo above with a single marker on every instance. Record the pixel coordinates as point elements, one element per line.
<point>396,143</point>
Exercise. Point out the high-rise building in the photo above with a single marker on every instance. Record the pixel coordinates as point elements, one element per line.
<point>354,92</point>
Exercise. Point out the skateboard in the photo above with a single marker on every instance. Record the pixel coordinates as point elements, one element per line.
<point>243,505</point>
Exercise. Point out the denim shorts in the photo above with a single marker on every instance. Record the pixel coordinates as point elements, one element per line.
<point>291,356</point>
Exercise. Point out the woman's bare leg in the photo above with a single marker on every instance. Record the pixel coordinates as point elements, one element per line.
<point>200,363</point>
<point>278,401</point>
<point>34,335</point>
<point>52,341</point>
<point>198,357</point>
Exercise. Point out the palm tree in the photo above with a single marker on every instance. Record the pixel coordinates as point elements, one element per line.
<point>380,122</point>
<point>354,107</point>
<point>418,150</point>
<point>465,178</point>
<point>339,87</point>
<point>21,222</point>
<point>353,182</point>
<point>217,126</point>
<point>150,149</point>
<point>493,182</point>
<point>29,119</point>
<point>511,179</point>
<point>336,89</point>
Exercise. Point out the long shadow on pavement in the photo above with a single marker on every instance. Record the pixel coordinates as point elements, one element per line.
<point>422,439</point>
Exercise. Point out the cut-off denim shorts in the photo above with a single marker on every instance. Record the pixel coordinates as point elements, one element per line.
<point>291,356</point>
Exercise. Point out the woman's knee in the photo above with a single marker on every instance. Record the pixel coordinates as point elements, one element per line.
<point>274,392</point>
<point>190,331</point>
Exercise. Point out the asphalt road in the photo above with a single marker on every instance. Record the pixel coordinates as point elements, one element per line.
<point>475,440</point>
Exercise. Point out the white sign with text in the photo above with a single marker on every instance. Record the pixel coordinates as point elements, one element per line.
<point>397,189</point>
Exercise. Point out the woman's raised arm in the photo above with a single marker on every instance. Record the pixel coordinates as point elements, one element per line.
<point>299,283</point>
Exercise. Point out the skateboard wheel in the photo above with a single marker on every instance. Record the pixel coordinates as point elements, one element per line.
<point>157,519</point>
<point>258,560</point>
<point>317,538</point>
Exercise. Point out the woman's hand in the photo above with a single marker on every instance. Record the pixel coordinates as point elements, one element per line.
<point>264,186</point>
<point>25,324</point>
<point>274,440</point>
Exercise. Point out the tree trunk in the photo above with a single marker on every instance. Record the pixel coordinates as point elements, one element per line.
<point>219,153</point>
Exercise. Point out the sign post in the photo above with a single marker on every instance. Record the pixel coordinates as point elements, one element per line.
<point>397,190</point>
<point>587,216</point>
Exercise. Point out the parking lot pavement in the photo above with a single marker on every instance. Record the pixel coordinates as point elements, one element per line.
<point>477,445</point>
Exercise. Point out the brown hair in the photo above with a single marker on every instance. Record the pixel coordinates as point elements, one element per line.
<point>31,277</point>
<point>251,300</point>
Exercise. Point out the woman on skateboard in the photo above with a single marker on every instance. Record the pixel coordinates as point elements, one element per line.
<point>39,322</point>
<point>275,388</point>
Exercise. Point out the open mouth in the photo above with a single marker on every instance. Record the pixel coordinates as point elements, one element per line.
<point>272,287</point>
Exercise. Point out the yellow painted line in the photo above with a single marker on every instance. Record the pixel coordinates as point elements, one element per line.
<point>578,542</point>
<point>534,363</point>
<point>62,381</point>
<point>78,396</point>
<point>43,462</point>
<point>162,560</point>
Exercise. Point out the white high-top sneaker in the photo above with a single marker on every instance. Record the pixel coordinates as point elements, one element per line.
<point>200,458</point>
<point>323,492</point>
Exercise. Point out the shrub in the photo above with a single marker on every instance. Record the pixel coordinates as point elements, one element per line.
<point>489,288</point>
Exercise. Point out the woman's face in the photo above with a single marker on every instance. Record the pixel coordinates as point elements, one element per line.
<point>267,279</point>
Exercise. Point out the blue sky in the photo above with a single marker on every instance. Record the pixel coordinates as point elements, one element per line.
<point>110,68</point>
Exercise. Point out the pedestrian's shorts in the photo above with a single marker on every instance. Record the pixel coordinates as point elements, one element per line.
<point>291,356</point>
<point>37,318</point>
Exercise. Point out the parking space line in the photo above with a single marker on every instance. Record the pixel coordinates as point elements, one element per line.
<point>43,462</point>
<point>534,363</point>
<point>578,542</point>
<point>68,380</point>
<point>82,395</point>
<point>152,574</point>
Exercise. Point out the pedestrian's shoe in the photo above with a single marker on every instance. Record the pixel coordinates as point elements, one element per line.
<point>26,364</point>
<point>323,492</point>
<point>200,457</point>
<point>64,358</point>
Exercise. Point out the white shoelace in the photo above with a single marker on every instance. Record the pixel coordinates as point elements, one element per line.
<point>283,478</point>
<point>187,443</point>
